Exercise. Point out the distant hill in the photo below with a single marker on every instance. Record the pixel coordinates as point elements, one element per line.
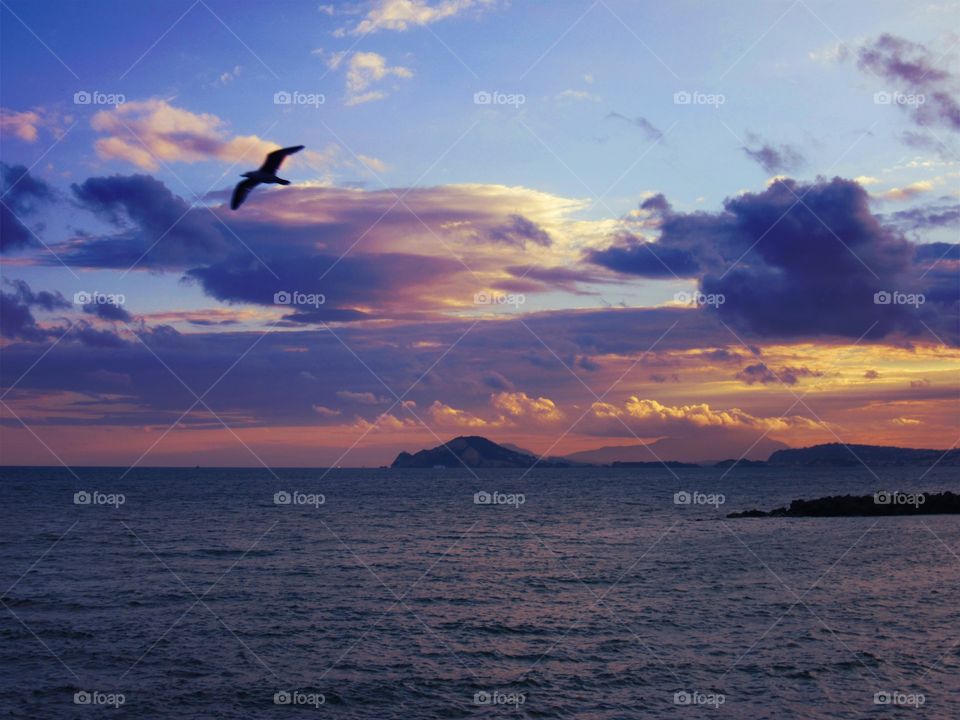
<point>654,465</point>
<point>689,450</point>
<point>838,455</point>
<point>732,462</point>
<point>472,451</point>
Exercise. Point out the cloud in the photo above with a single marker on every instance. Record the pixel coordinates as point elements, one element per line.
<point>108,311</point>
<point>148,132</point>
<point>22,125</point>
<point>363,398</point>
<point>154,226</point>
<point>364,70</point>
<point>914,71</point>
<point>576,96</point>
<point>230,75</point>
<point>446,416</point>
<point>940,213</point>
<point>518,231</point>
<point>22,195</point>
<point>368,257</point>
<point>630,254</point>
<point>760,373</point>
<point>908,192</point>
<point>402,15</point>
<point>773,158</point>
<point>650,418</point>
<point>639,122</point>
<point>787,268</point>
<point>517,405</point>
<point>17,321</point>
<point>325,411</point>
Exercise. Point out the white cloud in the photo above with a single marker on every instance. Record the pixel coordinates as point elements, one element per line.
<point>364,71</point>
<point>150,132</point>
<point>401,15</point>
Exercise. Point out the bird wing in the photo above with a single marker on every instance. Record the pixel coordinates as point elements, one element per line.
<point>241,191</point>
<point>272,163</point>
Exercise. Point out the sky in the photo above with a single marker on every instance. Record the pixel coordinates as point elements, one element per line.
<point>729,227</point>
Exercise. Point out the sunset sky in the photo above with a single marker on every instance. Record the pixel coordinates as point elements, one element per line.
<point>563,225</point>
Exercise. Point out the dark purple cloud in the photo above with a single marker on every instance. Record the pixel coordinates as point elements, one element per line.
<point>773,158</point>
<point>155,228</point>
<point>761,373</point>
<point>108,311</point>
<point>941,213</point>
<point>800,260</point>
<point>634,256</point>
<point>17,321</point>
<point>519,231</point>
<point>913,70</point>
<point>16,318</point>
<point>639,122</point>
<point>20,196</point>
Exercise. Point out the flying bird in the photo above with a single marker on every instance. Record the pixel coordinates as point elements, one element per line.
<point>266,174</point>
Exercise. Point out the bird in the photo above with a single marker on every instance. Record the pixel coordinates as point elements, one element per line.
<point>266,174</point>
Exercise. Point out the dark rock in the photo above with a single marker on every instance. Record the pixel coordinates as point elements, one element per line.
<point>877,505</point>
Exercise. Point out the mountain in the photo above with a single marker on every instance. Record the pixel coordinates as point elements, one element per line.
<point>838,455</point>
<point>677,449</point>
<point>472,451</point>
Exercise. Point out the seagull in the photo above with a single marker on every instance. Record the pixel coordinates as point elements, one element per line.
<point>266,174</point>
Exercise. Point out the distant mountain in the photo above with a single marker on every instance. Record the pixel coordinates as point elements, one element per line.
<point>654,465</point>
<point>838,455</point>
<point>740,463</point>
<point>689,450</point>
<point>472,451</point>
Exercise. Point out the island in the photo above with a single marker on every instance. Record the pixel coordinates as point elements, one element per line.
<point>840,455</point>
<point>473,452</point>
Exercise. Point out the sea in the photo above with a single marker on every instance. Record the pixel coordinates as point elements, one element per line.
<point>555,593</point>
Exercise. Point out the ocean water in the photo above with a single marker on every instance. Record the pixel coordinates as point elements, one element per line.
<point>588,593</point>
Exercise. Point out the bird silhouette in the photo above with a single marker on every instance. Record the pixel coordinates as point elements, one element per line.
<point>266,174</point>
